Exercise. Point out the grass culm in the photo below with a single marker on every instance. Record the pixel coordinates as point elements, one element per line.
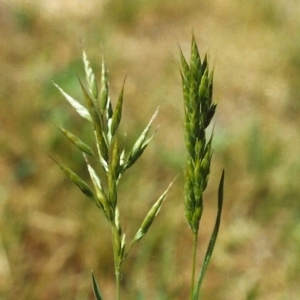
<point>109,154</point>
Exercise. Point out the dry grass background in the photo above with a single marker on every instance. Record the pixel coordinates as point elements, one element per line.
<point>51,236</point>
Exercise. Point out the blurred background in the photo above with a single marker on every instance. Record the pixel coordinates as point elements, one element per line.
<point>51,236</point>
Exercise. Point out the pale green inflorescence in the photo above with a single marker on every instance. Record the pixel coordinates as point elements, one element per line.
<point>197,84</point>
<point>105,120</point>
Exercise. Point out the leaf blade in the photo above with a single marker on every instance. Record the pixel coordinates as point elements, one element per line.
<point>96,289</point>
<point>213,238</point>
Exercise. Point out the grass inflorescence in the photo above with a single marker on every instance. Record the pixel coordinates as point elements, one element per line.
<point>105,120</point>
<point>110,155</point>
<point>197,85</point>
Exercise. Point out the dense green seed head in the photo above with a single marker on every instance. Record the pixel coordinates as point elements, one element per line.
<point>189,201</point>
<point>203,91</point>
<point>197,83</point>
<point>193,96</point>
<point>185,90</point>
<point>196,219</point>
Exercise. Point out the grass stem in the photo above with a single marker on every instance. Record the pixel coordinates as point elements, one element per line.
<point>194,261</point>
<point>117,263</point>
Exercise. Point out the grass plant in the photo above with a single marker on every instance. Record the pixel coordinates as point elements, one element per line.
<point>197,84</point>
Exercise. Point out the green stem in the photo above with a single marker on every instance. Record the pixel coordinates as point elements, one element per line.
<point>194,265</point>
<point>118,280</point>
<point>117,263</point>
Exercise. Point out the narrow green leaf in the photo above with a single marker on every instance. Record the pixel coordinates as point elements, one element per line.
<point>75,140</point>
<point>96,289</point>
<point>213,238</point>
<point>81,110</point>
<point>75,178</point>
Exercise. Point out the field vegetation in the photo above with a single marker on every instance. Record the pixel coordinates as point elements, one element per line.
<point>51,236</point>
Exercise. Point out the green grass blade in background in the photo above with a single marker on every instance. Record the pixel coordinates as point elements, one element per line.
<point>213,238</point>
<point>96,288</point>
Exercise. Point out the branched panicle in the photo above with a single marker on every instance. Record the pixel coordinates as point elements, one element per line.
<point>197,85</point>
<point>98,110</point>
